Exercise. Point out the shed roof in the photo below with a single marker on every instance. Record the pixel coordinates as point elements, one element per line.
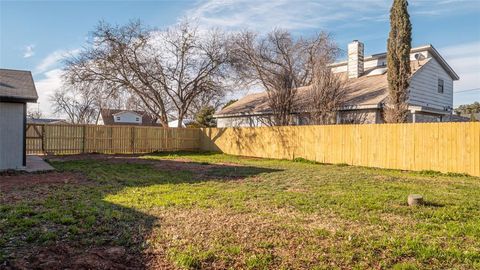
<point>17,85</point>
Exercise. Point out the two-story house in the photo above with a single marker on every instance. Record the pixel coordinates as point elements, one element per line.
<point>430,91</point>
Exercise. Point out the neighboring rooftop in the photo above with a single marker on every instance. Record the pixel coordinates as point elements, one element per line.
<point>108,114</point>
<point>17,85</point>
<point>46,121</point>
<point>367,91</point>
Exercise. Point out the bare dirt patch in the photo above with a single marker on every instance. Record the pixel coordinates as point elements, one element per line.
<point>15,187</point>
<point>66,257</point>
<point>25,180</point>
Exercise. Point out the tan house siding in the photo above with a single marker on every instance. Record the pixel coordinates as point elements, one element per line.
<point>372,116</point>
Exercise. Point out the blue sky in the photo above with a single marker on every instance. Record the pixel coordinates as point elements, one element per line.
<point>36,35</point>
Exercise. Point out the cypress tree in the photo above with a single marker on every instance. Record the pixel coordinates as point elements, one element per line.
<point>398,62</point>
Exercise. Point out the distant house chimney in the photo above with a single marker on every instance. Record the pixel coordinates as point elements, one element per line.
<point>355,59</point>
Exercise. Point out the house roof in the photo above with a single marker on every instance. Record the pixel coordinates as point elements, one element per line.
<point>46,121</point>
<point>367,91</point>
<point>108,114</point>
<point>133,112</point>
<point>17,85</point>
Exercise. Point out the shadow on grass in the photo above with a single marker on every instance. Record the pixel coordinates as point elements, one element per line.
<point>82,225</point>
<point>433,204</point>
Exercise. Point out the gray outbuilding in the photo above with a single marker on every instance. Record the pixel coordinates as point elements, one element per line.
<point>16,89</point>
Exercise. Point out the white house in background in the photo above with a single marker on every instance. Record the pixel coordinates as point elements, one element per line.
<point>185,123</point>
<point>430,91</point>
<point>126,117</point>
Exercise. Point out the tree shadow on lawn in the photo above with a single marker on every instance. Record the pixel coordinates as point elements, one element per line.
<point>101,222</point>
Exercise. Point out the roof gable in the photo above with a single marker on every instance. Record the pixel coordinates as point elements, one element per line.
<point>17,85</point>
<point>128,112</point>
<point>429,48</point>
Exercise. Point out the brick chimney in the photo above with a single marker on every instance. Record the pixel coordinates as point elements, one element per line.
<point>355,59</point>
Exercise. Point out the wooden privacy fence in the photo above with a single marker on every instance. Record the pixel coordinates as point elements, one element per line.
<point>445,147</point>
<point>75,139</point>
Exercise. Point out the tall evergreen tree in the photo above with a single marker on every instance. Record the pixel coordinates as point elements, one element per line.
<point>398,62</point>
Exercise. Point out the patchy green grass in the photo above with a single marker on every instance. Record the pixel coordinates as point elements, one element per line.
<point>220,211</point>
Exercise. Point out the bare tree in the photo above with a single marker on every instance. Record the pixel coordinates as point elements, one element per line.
<point>326,95</point>
<point>280,64</point>
<point>78,102</point>
<point>212,99</point>
<point>166,70</point>
<point>34,113</point>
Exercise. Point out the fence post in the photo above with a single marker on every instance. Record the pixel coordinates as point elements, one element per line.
<point>84,138</point>
<point>43,139</point>
<point>132,140</point>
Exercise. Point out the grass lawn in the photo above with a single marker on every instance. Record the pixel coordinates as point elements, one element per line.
<point>218,212</point>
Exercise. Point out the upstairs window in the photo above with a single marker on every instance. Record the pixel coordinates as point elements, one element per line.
<point>118,118</point>
<point>440,86</point>
<point>137,119</point>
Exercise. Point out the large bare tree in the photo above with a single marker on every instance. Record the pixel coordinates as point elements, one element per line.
<point>78,102</point>
<point>326,95</point>
<point>280,63</point>
<point>166,70</point>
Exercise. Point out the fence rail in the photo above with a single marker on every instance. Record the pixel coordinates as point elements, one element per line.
<point>445,147</point>
<point>76,139</point>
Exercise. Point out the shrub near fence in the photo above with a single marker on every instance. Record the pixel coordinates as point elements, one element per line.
<point>76,139</point>
<point>445,147</point>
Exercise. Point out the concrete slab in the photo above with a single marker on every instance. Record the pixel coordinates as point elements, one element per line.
<point>37,164</point>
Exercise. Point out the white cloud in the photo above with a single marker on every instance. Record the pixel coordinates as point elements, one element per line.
<point>54,59</point>
<point>46,87</point>
<point>28,51</point>
<point>265,15</point>
<point>465,60</point>
<point>50,71</point>
<point>304,14</point>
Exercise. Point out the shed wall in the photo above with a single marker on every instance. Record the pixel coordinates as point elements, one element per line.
<point>11,135</point>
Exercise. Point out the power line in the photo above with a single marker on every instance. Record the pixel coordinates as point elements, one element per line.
<point>467,90</point>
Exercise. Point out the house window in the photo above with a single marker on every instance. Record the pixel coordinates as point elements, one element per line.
<point>440,86</point>
<point>137,119</point>
<point>118,118</point>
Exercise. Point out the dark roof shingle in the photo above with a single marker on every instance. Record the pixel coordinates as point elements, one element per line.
<point>17,85</point>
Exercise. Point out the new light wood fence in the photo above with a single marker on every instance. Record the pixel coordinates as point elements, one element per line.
<point>75,139</point>
<point>445,147</point>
